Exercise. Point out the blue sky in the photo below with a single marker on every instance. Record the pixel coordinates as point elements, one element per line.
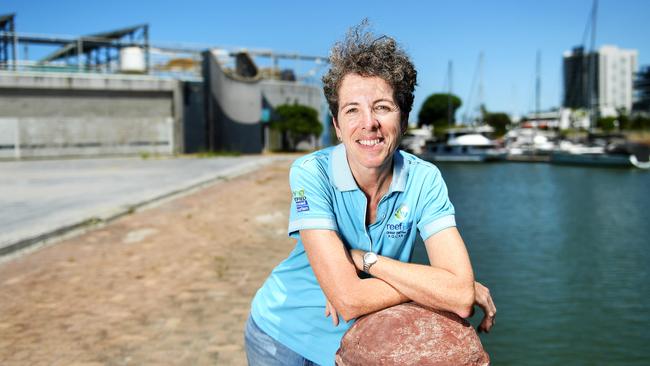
<point>433,32</point>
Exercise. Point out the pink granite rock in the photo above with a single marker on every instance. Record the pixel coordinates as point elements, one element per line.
<point>409,334</point>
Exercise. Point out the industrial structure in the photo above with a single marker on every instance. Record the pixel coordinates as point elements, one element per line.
<point>114,93</point>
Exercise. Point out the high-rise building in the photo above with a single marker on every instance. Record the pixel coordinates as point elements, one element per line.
<point>642,88</point>
<point>602,80</point>
<point>577,84</point>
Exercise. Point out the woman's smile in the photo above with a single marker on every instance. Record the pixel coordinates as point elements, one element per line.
<point>371,142</point>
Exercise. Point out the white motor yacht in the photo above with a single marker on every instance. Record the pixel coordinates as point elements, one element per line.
<point>464,145</point>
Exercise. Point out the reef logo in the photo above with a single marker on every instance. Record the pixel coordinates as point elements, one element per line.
<point>397,231</point>
<point>402,213</point>
<point>298,193</point>
<point>300,200</point>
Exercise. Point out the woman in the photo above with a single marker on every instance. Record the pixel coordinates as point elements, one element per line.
<point>356,210</point>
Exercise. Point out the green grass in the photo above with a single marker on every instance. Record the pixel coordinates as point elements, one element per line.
<point>214,154</point>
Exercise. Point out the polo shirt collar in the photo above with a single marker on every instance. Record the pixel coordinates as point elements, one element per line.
<point>344,180</point>
<point>400,173</point>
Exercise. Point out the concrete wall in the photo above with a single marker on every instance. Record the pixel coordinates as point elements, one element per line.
<point>54,115</point>
<point>276,92</point>
<point>58,114</point>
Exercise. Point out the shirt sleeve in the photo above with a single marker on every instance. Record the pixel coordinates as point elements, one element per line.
<point>311,199</point>
<point>438,212</point>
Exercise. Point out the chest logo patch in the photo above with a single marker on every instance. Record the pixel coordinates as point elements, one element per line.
<point>300,200</point>
<point>402,213</point>
<point>399,230</point>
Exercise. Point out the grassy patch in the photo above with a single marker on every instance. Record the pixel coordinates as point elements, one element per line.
<point>214,154</point>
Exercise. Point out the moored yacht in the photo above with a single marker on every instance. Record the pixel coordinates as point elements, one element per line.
<point>624,154</point>
<point>527,144</point>
<point>465,145</point>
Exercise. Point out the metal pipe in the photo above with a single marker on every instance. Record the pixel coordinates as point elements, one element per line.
<point>146,49</point>
<point>79,48</point>
<point>14,43</point>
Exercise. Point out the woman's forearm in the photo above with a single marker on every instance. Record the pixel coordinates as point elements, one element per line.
<point>447,284</point>
<point>369,295</point>
<point>337,276</point>
<point>427,285</point>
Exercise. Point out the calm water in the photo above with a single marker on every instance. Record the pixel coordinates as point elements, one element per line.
<point>566,254</point>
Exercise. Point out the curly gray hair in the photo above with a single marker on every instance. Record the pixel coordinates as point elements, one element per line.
<point>365,54</point>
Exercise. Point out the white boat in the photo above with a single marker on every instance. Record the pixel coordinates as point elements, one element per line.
<point>464,145</point>
<point>526,144</point>
<point>591,158</point>
<point>415,140</point>
<point>614,155</point>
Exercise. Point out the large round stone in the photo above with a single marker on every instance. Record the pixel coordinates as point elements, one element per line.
<point>409,334</point>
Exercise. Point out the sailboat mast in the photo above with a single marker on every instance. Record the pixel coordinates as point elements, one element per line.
<point>538,84</point>
<point>450,107</point>
<point>591,79</point>
<point>480,89</point>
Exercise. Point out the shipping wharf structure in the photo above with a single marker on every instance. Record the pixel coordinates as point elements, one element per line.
<point>115,93</point>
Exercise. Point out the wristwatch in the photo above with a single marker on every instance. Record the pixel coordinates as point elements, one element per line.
<point>369,259</point>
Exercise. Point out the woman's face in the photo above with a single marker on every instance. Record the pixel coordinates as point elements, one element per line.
<point>368,121</point>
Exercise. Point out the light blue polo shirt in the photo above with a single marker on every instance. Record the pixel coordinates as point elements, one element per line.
<point>290,306</point>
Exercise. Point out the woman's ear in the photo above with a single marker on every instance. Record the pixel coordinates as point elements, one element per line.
<point>335,122</point>
<point>405,126</point>
<point>336,128</point>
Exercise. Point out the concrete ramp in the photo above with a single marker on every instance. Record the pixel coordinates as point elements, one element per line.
<point>233,105</point>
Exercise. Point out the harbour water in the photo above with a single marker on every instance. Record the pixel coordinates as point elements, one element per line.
<point>566,254</point>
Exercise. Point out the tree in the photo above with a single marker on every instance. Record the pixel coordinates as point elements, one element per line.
<point>498,120</point>
<point>624,122</point>
<point>295,122</point>
<point>607,124</point>
<point>435,110</point>
<point>640,123</point>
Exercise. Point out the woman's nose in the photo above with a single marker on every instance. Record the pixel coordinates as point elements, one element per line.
<point>369,120</point>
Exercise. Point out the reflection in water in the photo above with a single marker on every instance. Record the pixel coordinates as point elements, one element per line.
<point>565,252</point>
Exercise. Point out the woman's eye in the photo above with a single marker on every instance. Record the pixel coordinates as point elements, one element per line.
<point>351,110</point>
<point>383,108</point>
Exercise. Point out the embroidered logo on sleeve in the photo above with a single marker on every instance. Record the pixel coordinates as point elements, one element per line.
<point>300,200</point>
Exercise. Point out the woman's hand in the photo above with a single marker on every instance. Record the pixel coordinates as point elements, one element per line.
<point>330,310</point>
<point>484,300</point>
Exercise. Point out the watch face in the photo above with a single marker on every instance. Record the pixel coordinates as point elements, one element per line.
<point>370,258</point>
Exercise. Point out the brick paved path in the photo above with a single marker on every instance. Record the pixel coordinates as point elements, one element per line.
<point>170,285</point>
